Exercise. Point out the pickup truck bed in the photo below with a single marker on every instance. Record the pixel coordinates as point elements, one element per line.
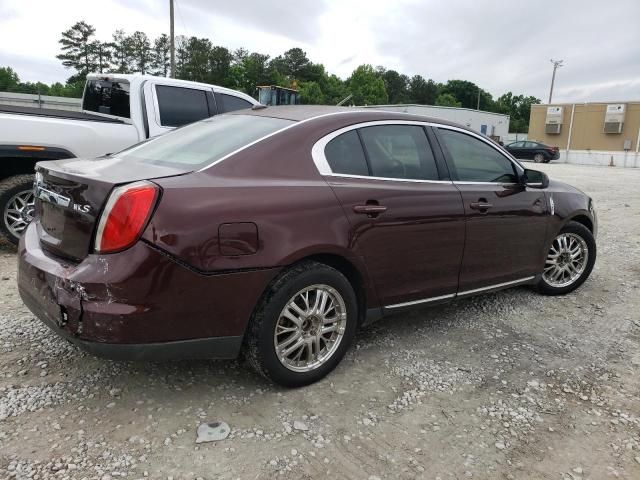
<point>55,113</point>
<point>118,111</point>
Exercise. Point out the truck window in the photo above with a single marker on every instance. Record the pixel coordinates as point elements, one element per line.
<point>231,103</point>
<point>106,96</point>
<point>179,106</point>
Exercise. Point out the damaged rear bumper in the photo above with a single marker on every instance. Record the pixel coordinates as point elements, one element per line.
<point>138,304</point>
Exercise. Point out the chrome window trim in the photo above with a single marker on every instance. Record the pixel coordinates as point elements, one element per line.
<point>456,182</point>
<point>458,294</point>
<point>387,179</point>
<point>319,159</point>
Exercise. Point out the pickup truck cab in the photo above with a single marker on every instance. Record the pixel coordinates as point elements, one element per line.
<point>118,111</point>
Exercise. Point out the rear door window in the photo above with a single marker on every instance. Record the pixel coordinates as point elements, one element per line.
<point>399,151</point>
<point>179,106</point>
<point>108,97</point>
<point>345,156</point>
<point>231,103</point>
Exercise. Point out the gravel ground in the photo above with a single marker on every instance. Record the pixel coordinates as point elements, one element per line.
<point>507,385</point>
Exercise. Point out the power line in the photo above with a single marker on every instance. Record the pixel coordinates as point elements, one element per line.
<point>184,26</point>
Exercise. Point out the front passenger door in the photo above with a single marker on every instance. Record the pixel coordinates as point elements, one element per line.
<point>506,221</point>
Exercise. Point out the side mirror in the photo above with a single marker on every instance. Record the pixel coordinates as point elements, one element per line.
<point>535,179</point>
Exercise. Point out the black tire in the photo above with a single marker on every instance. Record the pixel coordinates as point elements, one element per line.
<point>539,158</point>
<point>583,232</point>
<point>259,348</point>
<point>9,187</point>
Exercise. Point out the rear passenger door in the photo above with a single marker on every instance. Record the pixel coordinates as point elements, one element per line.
<point>407,218</point>
<point>169,106</point>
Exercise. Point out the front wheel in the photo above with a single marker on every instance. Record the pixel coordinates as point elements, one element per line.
<point>16,204</point>
<point>569,261</point>
<point>303,325</point>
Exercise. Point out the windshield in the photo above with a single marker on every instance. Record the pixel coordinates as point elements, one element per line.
<point>197,145</point>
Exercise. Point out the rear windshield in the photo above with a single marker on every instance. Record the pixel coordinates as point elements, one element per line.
<point>106,96</point>
<point>197,145</point>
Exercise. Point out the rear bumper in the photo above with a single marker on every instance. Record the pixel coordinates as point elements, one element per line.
<point>138,304</point>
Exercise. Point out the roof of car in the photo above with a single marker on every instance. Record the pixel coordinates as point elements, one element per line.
<point>299,113</point>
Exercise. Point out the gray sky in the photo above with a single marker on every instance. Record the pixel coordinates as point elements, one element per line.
<point>500,45</point>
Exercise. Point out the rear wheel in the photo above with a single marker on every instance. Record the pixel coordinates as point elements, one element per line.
<point>303,326</point>
<point>570,260</point>
<point>16,204</point>
<point>538,158</point>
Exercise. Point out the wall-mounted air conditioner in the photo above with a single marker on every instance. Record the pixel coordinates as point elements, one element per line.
<point>614,118</point>
<point>552,128</point>
<point>553,122</point>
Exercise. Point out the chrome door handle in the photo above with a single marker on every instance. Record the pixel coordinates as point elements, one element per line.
<point>370,209</point>
<point>480,205</point>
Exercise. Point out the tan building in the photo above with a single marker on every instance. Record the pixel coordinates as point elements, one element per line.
<point>591,127</point>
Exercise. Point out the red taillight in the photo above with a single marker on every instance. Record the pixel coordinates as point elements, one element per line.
<point>125,216</point>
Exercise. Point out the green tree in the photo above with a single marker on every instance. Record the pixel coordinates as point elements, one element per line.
<point>220,66</point>
<point>518,107</point>
<point>140,52</point>
<point>311,94</point>
<point>195,66</point>
<point>121,52</point>
<point>160,56</point>
<point>447,100</point>
<point>255,72</point>
<point>294,64</point>
<point>104,55</point>
<point>9,79</point>
<point>397,86</point>
<point>467,94</point>
<point>421,91</point>
<point>367,87</point>
<point>78,49</point>
<point>334,89</point>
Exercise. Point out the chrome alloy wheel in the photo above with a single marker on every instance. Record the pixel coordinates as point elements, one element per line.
<point>310,328</point>
<point>18,212</point>
<point>566,260</point>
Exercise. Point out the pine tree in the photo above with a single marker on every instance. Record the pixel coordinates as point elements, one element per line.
<point>78,51</point>
<point>141,51</point>
<point>161,61</point>
<point>121,46</point>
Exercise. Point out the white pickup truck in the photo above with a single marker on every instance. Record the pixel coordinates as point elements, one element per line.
<point>117,111</point>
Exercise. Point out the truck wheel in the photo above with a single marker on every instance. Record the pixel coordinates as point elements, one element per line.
<point>16,204</point>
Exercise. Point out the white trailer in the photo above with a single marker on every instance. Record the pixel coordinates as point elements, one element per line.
<point>494,125</point>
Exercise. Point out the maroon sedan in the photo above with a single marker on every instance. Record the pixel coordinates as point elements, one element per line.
<point>278,232</point>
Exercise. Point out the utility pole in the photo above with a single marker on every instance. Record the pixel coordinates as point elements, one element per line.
<point>478,107</point>
<point>172,45</point>
<point>556,64</point>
